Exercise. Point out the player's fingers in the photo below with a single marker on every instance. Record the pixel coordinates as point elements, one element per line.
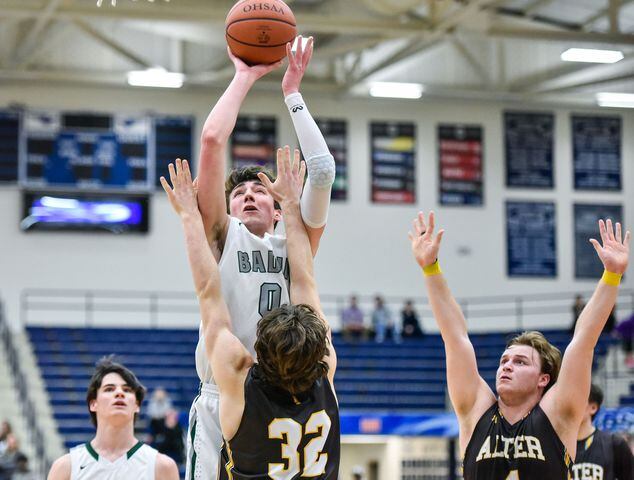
<point>299,49</point>
<point>421,223</point>
<point>410,236</point>
<point>287,160</point>
<point>609,229</point>
<point>602,232</point>
<point>419,226</point>
<point>172,173</point>
<point>165,185</point>
<point>432,222</point>
<point>302,172</point>
<point>309,52</point>
<point>596,245</point>
<point>187,172</point>
<point>438,238</point>
<point>618,232</point>
<point>626,240</point>
<point>280,162</point>
<point>265,180</point>
<point>179,169</point>
<point>296,161</point>
<point>289,52</point>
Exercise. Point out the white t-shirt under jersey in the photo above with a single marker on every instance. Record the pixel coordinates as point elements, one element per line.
<point>254,273</point>
<point>138,463</point>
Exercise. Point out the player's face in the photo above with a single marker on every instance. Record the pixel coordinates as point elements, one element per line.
<point>252,204</point>
<point>519,371</point>
<point>115,400</point>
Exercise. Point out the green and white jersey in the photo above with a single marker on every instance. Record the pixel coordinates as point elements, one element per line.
<point>138,463</point>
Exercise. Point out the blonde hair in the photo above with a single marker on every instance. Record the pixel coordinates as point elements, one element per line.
<point>549,355</point>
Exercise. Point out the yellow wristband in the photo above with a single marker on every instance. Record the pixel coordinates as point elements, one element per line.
<point>433,269</point>
<point>611,278</point>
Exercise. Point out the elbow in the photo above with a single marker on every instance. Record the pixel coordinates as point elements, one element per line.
<point>211,138</point>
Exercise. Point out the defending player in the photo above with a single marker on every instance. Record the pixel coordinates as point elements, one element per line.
<point>530,430</point>
<point>114,398</point>
<point>252,259</point>
<point>600,455</point>
<point>279,417</point>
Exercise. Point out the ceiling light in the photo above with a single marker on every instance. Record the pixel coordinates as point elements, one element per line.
<point>396,90</point>
<point>155,77</point>
<point>590,55</point>
<point>621,100</point>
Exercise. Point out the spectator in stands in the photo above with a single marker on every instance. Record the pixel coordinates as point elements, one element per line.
<point>352,321</point>
<point>5,430</point>
<point>625,329</point>
<point>9,457</point>
<point>170,439</point>
<point>409,319</point>
<point>601,454</point>
<point>577,308</point>
<point>382,322</point>
<point>157,408</point>
<point>22,471</point>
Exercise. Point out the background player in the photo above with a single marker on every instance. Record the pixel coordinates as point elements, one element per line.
<point>531,428</point>
<point>600,455</point>
<point>279,417</point>
<point>252,260</point>
<point>114,398</point>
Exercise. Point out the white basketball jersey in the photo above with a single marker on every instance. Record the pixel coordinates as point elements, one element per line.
<point>254,273</point>
<point>137,464</point>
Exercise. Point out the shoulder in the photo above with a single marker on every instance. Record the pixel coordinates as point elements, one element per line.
<point>61,468</point>
<point>165,468</point>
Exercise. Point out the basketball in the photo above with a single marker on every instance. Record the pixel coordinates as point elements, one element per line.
<point>257,31</point>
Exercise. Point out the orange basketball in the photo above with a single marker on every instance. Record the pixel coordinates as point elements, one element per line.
<point>258,30</point>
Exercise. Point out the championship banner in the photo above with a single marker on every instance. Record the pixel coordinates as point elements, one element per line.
<point>393,162</point>
<point>9,135</point>
<point>587,264</point>
<point>596,152</point>
<point>254,142</point>
<point>528,147</point>
<point>460,164</point>
<point>531,239</point>
<point>86,151</point>
<point>335,133</point>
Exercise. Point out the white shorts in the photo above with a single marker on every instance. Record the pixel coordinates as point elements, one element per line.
<point>204,436</point>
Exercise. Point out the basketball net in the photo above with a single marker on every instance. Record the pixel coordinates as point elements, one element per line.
<point>114,2</point>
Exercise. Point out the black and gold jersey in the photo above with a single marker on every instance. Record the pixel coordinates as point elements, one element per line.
<point>603,456</point>
<point>529,449</point>
<point>282,436</point>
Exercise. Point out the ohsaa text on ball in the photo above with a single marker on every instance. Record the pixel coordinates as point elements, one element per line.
<point>262,6</point>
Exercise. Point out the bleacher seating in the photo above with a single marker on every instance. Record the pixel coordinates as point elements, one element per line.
<point>388,377</point>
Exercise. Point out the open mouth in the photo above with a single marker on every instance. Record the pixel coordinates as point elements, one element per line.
<point>250,208</point>
<point>120,404</point>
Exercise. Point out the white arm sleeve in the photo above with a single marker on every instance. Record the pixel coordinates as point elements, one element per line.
<point>320,163</point>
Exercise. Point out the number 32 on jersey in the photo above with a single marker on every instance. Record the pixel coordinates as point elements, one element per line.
<point>314,458</point>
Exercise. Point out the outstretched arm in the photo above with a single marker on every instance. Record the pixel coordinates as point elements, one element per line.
<point>286,190</point>
<point>566,401</point>
<point>469,393</point>
<point>213,309</point>
<point>315,200</point>
<point>213,145</point>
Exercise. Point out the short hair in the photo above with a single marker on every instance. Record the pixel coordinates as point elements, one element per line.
<point>105,366</point>
<point>238,176</point>
<point>549,355</point>
<point>291,344</point>
<point>596,396</point>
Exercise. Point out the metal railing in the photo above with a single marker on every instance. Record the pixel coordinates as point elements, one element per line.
<point>180,309</point>
<point>36,437</point>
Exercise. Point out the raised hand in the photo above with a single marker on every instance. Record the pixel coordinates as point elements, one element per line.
<point>289,182</point>
<point>297,63</point>
<point>425,245</point>
<point>254,72</point>
<point>183,194</point>
<point>614,253</point>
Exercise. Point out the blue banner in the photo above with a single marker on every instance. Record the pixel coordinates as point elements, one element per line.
<point>9,138</point>
<point>587,263</point>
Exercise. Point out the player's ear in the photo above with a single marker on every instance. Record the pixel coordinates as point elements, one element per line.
<point>544,380</point>
<point>93,405</point>
<point>277,215</point>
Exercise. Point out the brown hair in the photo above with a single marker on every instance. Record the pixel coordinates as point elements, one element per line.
<point>596,396</point>
<point>105,366</point>
<point>291,344</point>
<point>246,174</point>
<point>549,355</point>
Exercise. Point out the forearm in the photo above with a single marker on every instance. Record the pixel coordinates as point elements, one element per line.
<point>222,119</point>
<point>594,315</point>
<point>300,258</point>
<point>319,162</point>
<point>201,261</point>
<point>446,310</point>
